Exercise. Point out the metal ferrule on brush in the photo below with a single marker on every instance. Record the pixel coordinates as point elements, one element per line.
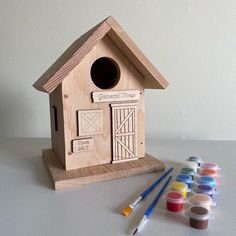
<point>141,223</point>
<point>135,202</point>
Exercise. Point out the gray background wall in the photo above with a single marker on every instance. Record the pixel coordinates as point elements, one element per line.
<point>192,42</point>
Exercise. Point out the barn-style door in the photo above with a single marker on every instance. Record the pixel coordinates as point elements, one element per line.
<point>124,132</point>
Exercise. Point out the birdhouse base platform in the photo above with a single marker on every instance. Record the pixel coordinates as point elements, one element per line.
<point>66,179</point>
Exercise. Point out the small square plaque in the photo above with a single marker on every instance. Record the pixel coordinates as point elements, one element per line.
<point>82,145</point>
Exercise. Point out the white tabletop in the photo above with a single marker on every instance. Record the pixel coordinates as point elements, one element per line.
<point>29,206</point>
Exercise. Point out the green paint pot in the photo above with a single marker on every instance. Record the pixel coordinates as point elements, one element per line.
<point>188,171</point>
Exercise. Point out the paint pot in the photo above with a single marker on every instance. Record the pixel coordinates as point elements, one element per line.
<point>180,187</point>
<point>200,199</point>
<point>197,160</point>
<point>198,217</point>
<point>188,171</point>
<point>208,172</point>
<point>187,179</point>
<point>192,165</point>
<point>211,165</point>
<point>207,180</point>
<point>174,201</point>
<point>205,189</point>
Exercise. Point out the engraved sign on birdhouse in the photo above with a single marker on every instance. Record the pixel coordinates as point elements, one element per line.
<point>114,96</point>
<point>82,145</point>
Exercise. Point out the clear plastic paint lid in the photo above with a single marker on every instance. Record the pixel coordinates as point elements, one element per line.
<point>174,197</point>
<point>210,165</point>
<point>195,159</point>
<point>208,180</point>
<point>198,213</point>
<point>179,186</point>
<point>191,164</point>
<point>184,178</point>
<point>201,199</point>
<point>188,171</point>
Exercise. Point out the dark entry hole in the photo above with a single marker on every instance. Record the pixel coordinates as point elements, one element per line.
<point>105,73</point>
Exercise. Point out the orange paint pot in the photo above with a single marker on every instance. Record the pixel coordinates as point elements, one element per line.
<point>208,172</point>
<point>211,165</point>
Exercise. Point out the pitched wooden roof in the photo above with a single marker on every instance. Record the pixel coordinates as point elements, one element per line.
<point>82,46</point>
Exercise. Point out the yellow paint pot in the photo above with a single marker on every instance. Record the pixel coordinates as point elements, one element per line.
<point>180,187</point>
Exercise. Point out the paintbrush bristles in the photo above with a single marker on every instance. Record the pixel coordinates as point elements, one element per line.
<point>127,211</point>
<point>135,231</point>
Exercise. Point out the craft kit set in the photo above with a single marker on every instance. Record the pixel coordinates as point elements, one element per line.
<point>188,195</point>
<point>96,99</point>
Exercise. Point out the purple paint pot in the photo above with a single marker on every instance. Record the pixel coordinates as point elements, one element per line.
<point>205,189</point>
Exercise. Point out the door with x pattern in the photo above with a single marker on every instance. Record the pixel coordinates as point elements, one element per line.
<point>124,132</point>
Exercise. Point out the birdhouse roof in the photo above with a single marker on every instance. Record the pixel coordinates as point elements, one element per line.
<point>82,46</point>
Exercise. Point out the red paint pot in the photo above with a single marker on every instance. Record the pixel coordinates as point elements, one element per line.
<point>174,201</point>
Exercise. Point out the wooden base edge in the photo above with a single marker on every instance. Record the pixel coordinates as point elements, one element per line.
<point>119,161</point>
<point>69,179</point>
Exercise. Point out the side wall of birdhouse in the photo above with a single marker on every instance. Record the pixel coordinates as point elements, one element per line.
<point>57,123</point>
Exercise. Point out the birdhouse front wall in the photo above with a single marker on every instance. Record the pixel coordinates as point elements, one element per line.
<point>102,125</point>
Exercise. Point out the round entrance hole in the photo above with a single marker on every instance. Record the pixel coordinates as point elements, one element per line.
<point>105,73</point>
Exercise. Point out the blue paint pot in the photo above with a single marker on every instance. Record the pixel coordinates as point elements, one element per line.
<point>207,180</point>
<point>205,189</point>
<point>187,179</point>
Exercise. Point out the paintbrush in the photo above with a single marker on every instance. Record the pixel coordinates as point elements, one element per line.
<point>128,210</point>
<point>148,212</point>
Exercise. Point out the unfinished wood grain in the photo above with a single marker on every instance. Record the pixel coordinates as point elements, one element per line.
<point>77,89</point>
<point>71,58</point>
<point>116,96</point>
<point>81,47</point>
<point>63,179</point>
<point>58,137</point>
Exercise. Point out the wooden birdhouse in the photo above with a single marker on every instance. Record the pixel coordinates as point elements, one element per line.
<point>96,91</point>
